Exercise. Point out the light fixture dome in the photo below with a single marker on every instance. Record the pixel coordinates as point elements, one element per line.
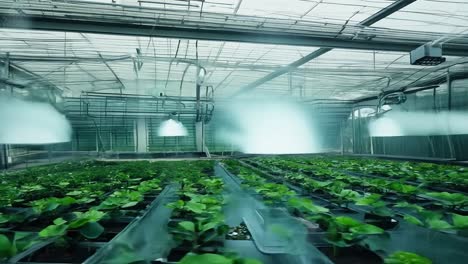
<point>172,128</point>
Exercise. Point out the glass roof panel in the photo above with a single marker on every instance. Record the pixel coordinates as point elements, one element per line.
<point>441,16</point>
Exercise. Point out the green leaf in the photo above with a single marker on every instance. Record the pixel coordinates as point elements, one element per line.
<point>438,224</point>
<point>367,229</point>
<point>346,221</point>
<point>176,205</point>
<point>368,200</point>
<point>460,221</point>
<point>74,193</point>
<point>205,259</point>
<point>209,225</point>
<point>94,215</point>
<point>85,200</point>
<point>129,204</point>
<point>187,225</point>
<point>409,206</point>
<point>413,220</point>
<point>53,230</point>
<point>7,249</point>
<point>307,205</point>
<point>59,221</point>
<point>449,198</point>
<point>91,230</point>
<point>402,257</point>
<point>195,207</point>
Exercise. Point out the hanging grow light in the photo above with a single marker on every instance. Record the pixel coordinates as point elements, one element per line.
<point>172,128</point>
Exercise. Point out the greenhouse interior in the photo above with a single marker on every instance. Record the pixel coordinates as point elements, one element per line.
<point>234,131</point>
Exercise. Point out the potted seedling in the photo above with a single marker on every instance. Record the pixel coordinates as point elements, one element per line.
<point>204,234</point>
<point>379,214</point>
<point>403,257</point>
<point>347,237</point>
<point>343,197</point>
<point>67,247</point>
<point>451,201</point>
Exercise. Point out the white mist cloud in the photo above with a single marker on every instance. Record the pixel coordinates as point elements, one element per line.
<point>394,124</point>
<point>269,127</point>
<point>23,122</point>
<point>172,128</point>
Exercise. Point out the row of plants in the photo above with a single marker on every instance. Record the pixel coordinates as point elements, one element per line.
<point>384,197</point>
<point>442,175</point>
<point>197,223</point>
<point>340,231</point>
<point>90,202</point>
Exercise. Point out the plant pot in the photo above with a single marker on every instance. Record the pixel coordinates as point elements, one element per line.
<point>55,254</point>
<point>384,222</point>
<point>351,255</point>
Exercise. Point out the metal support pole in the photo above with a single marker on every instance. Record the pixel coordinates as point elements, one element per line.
<point>342,137</point>
<point>449,90</point>
<point>449,107</point>
<point>5,157</point>
<point>354,133</point>
<point>6,75</point>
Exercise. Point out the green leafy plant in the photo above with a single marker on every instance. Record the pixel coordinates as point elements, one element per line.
<point>374,201</point>
<point>274,193</point>
<point>306,206</point>
<point>403,257</point>
<point>403,189</point>
<point>450,200</point>
<point>200,233</point>
<point>460,221</point>
<point>121,199</point>
<point>12,243</point>
<point>345,231</point>
<point>429,219</point>
<point>51,204</point>
<point>86,223</point>
<point>148,186</point>
<point>344,196</point>
<point>215,259</point>
<point>198,204</point>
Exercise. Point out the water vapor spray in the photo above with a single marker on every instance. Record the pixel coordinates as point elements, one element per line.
<point>267,127</point>
<point>397,123</point>
<point>24,122</point>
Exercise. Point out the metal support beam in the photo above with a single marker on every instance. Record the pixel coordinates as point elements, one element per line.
<point>367,22</point>
<point>113,73</point>
<point>385,12</point>
<point>221,34</point>
<point>282,70</point>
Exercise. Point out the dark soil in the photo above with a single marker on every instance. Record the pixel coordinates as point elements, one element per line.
<point>55,254</point>
<point>386,223</point>
<point>176,254</point>
<point>239,232</point>
<point>351,255</point>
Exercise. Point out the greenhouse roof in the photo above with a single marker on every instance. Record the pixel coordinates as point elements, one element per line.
<point>146,46</point>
